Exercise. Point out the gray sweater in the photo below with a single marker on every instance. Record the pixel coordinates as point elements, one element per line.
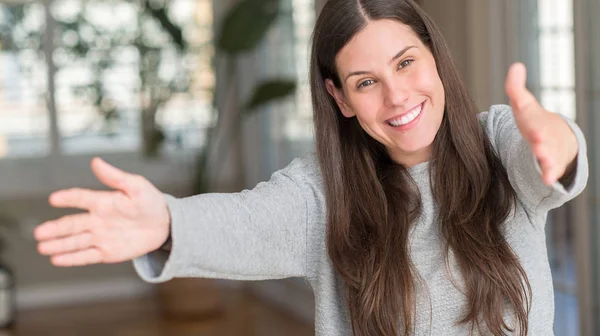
<point>277,230</point>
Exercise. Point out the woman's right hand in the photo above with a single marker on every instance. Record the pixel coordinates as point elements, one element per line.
<point>119,225</point>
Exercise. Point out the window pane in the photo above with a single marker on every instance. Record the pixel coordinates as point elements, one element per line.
<point>299,127</point>
<point>117,61</point>
<point>24,117</point>
<point>561,101</point>
<point>557,58</point>
<point>555,13</point>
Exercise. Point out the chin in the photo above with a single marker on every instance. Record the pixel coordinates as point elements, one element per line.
<point>417,147</point>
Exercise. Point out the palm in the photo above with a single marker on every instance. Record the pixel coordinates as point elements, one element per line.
<point>115,225</point>
<point>118,225</point>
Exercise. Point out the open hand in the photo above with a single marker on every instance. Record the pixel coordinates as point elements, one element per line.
<point>551,139</point>
<point>119,225</point>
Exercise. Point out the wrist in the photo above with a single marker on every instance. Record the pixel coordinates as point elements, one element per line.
<point>166,246</point>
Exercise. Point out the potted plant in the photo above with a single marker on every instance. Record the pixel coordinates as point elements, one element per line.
<point>244,27</point>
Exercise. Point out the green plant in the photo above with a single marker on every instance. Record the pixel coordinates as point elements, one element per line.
<point>244,27</point>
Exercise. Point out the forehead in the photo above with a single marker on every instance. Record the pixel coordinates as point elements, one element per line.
<point>379,40</point>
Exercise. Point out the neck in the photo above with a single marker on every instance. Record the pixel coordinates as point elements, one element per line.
<point>409,160</point>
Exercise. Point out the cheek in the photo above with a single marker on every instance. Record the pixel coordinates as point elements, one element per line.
<point>427,82</point>
<point>366,106</point>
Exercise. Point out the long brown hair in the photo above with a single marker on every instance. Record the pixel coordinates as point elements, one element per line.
<point>372,201</point>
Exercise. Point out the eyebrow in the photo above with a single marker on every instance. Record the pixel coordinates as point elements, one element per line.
<point>398,55</point>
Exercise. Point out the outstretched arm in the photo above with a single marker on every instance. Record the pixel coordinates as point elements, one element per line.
<point>253,234</point>
<point>544,153</point>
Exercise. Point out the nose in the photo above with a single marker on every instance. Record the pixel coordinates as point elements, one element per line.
<point>395,93</point>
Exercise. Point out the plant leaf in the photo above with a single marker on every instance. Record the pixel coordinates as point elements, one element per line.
<point>160,14</point>
<point>271,90</point>
<point>246,24</point>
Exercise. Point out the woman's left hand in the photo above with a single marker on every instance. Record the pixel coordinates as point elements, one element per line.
<point>551,139</point>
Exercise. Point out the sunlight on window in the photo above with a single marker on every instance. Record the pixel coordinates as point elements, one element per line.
<point>117,60</point>
<point>299,127</point>
<point>557,60</point>
<point>24,118</point>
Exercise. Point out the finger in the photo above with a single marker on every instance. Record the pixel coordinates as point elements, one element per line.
<point>555,171</point>
<point>68,244</point>
<point>532,134</point>
<point>520,98</point>
<point>535,136</point>
<point>544,160</point>
<point>64,226</point>
<point>80,258</point>
<point>551,176</point>
<point>80,198</point>
<point>549,169</point>
<point>546,169</point>
<point>116,178</point>
<point>541,152</point>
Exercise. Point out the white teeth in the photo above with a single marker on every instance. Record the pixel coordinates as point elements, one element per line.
<point>405,119</point>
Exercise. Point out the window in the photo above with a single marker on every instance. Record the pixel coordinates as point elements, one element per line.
<point>300,127</point>
<point>557,93</point>
<point>24,114</point>
<point>556,56</point>
<point>110,62</point>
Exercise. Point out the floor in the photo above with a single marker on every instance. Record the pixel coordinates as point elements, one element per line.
<point>244,315</point>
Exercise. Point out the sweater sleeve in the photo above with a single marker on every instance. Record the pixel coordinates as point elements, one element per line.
<point>255,234</point>
<point>522,167</point>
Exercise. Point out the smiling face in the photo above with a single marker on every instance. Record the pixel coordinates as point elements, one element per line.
<point>391,85</point>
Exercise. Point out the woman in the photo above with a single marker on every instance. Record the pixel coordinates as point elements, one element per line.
<point>417,216</point>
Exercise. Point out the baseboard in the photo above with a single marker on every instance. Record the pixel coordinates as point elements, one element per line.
<point>71,293</point>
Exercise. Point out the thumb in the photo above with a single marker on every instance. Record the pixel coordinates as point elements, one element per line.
<point>520,98</point>
<point>114,177</point>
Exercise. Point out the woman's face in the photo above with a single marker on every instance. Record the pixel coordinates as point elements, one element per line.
<point>391,85</point>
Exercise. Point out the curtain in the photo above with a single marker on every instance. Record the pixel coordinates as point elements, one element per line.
<point>586,212</point>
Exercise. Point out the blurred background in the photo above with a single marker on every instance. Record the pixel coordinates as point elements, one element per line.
<point>207,95</point>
